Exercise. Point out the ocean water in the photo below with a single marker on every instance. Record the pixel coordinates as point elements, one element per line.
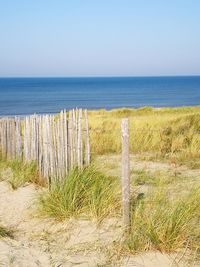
<point>19,96</point>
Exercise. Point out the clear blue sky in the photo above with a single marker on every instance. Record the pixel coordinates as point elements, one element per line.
<point>99,37</point>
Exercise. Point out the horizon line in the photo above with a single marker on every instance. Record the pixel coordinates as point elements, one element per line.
<point>101,76</point>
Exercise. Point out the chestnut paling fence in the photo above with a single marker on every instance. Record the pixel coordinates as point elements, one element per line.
<point>57,143</point>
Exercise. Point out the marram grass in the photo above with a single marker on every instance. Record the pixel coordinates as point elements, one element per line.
<point>85,192</point>
<point>165,223</point>
<point>17,173</point>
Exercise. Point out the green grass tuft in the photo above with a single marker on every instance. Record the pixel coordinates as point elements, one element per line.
<point>18,173</point>
<point>86,192</point>
<point>165,224</point>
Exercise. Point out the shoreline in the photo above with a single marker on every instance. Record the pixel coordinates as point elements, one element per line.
<point>107,110</point>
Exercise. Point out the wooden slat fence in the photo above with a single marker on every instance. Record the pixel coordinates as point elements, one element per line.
<point>57,143</point>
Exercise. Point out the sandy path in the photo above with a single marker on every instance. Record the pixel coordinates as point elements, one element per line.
<point>44,242</point>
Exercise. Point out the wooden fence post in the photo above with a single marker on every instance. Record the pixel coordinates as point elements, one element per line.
<point>125,179</point>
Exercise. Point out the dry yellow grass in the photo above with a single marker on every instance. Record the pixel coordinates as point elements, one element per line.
<point>170,133</point>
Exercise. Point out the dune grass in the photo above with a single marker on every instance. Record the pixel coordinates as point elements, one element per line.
<point>165,223</point>
<point>85,192</point>
<point>17,173</point>
<point>166,133</point>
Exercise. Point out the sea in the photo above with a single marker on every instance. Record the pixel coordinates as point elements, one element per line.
<point>21,96</point>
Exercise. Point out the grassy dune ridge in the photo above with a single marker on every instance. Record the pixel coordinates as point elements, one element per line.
<point>158,133</point>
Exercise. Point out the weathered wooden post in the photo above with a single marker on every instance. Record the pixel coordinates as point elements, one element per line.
<point>125,178</point>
